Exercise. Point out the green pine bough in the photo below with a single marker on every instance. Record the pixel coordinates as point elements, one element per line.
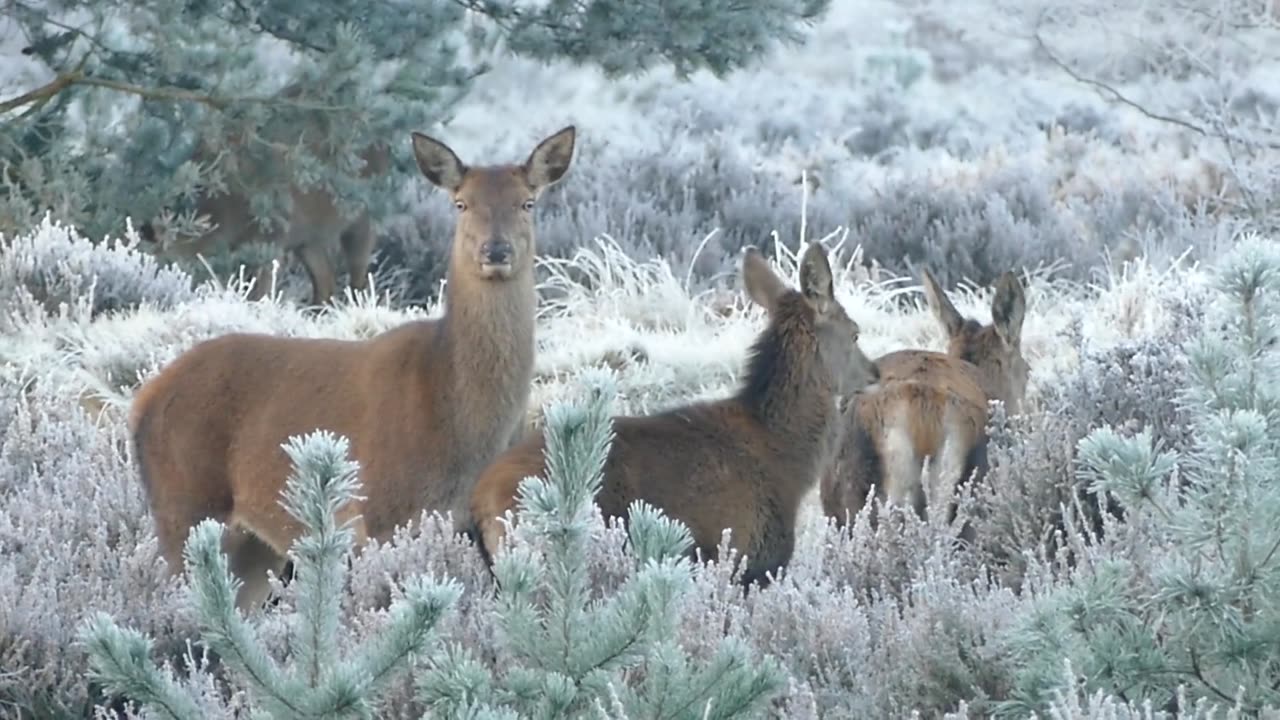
<point>566,652</point>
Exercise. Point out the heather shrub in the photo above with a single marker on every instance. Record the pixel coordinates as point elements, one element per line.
<point>666,204</point>
<point>865,622</point>
<point>51,270</point>
<point>75,538</point>
<point>921,635</point>
<point>1184,589</point>
<point>1032,499</point>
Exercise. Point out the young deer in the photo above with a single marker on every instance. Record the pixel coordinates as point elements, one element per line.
<point>315,228</point>
<point>425,405</point>
<point>931,404</point>
<point>743,462</point>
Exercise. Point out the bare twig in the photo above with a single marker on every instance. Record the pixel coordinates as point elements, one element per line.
<point>1111,92</point>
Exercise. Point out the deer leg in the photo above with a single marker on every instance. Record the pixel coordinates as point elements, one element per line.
<point>357,245</point>
<point>315,259</point>
<point>249,559</point>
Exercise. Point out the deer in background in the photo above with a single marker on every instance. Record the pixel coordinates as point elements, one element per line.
<point>931,404</point>
<point>742,462</point>
<point>315,228</point>
<point>425,405</point>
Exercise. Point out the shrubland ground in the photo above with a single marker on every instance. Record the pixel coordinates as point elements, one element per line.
<point>941,136</point>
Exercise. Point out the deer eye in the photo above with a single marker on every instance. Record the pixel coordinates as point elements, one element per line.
<point>460,205</point>
<point>527,205</point>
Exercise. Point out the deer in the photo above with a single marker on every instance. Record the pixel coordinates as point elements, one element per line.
<point>315,227</point>
<point>743,462</point>
<point>930,404</point>
<point>425,405</point>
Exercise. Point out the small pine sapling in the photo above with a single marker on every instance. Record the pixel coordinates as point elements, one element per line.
<point>319,681</point>
<point>1179,603</point>
<point>567,652</point>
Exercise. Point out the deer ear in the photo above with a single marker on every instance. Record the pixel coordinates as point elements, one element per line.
<point>550,160</point>
<point>762,284</point>
<point>816,283</point>
<point>438,162</point>
<point>951,319</point>
<point>1008,308</point>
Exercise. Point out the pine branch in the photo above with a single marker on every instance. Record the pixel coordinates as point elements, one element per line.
<point>77,77</point>
<point>278,32</point>
<point>118,658</point>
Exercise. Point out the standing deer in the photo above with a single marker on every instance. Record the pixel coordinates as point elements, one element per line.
<point>315,227</point>
<point>425,405</point>
<point>931,404</point>
<point>742,462</point>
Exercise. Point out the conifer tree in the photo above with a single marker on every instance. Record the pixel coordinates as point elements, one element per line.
<point>136,84</point>
<point>1186,592</point>
<point>319,681</point>
<point>566,652</point>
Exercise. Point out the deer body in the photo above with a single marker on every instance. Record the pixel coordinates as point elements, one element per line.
<point>315,228</point>
<point>930,405</point>
<point>743,462</point>
<point>425,405</point>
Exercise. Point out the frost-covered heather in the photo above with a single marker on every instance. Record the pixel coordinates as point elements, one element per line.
<point>941,135</point>
<point>931,133</point>
<point>874,623</point>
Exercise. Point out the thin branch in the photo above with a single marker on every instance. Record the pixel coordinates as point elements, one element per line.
<point>1198,673</point>
<point>78,77</point>
<point>40,94</point>
<point>1112,92</point>
<point>1115,94</point>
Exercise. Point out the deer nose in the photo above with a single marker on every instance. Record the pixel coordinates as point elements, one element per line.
<point>498,252</point>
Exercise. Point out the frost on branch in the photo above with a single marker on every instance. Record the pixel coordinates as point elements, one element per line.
<point>568,650</point>
<point>325,676</point>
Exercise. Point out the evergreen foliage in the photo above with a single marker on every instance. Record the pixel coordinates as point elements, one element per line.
<point>273,92</point>
<point>1186,591</point>
<point>319,681</point>
<point>565,651</point>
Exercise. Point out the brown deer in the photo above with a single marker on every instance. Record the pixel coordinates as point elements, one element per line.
<point>930,404</point>
<point>315,227</point>
<point>742,462</point>
<point>425,405</point>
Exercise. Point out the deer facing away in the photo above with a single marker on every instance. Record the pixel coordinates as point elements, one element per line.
<point>742,462</point>
<point>425,405</point>
<point>930,404</point>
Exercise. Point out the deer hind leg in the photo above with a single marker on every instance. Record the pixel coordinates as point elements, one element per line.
<point>315,258</point>
<point>952,464</point>
<point>357,245</point>
<point>492,535</point>
<point>249,559</point>
<point>944,476</point>
<point>180,493</point>
<point>258,541</point>
<point>901,469</point>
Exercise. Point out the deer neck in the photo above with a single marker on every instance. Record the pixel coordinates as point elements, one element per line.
<point>787,392</point>
<point>488,328</point>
